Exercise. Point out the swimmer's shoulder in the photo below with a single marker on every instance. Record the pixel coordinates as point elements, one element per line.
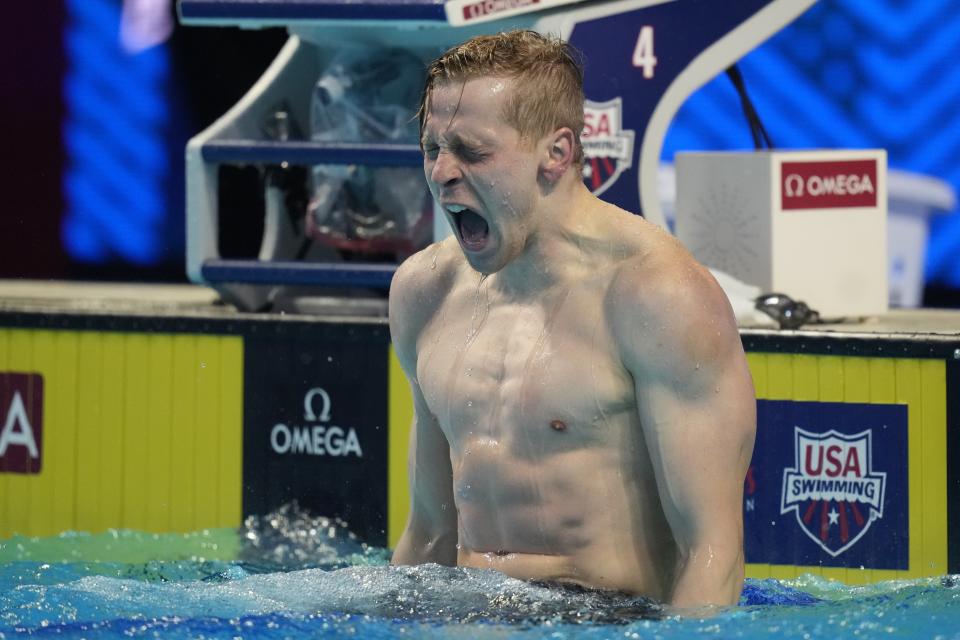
<point>430,271</point>
<point>419,287</point>
<point>630,236</point>
<point>662,303</point>
<point>647,260</point>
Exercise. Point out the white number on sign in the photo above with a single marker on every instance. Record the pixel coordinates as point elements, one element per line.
<point>643,57</point>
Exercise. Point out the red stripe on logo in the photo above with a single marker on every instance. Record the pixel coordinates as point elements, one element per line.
<point>856,514</point>
<point>844,530</point>
<point>824,521</point>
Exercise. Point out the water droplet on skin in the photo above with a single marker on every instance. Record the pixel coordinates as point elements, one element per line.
<point>469,403</point>
<point>698,366</point>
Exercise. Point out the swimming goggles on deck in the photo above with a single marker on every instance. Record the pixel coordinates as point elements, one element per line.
<point>789,313</point>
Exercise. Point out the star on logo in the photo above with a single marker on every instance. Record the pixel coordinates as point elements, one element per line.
<point>834,516</point>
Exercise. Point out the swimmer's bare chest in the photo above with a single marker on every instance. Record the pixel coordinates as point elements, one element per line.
<point>522,371</point>
<point>540,417</point>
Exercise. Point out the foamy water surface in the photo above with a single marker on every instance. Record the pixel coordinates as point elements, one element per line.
<point>292,576</point>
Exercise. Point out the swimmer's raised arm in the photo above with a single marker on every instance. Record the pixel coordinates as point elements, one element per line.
<point>431,531</point>
<point>697,408</point>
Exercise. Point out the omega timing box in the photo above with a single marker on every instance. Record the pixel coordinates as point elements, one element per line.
<point>808,224</point>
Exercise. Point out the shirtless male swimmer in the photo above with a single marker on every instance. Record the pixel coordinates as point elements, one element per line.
<point>584,411</point>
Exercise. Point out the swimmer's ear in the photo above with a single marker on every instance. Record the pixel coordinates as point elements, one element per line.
<point>558,154</point>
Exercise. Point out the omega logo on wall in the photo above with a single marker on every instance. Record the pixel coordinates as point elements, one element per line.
<point>316,436</point>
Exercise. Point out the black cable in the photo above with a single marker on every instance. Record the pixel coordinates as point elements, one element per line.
<point>757,131</point>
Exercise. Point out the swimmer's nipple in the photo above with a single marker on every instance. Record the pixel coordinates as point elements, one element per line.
<point>558,425</point>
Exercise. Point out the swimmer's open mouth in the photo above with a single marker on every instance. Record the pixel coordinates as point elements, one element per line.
<point>473,229</point>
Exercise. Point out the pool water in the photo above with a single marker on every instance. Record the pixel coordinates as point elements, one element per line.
<point>288,575</point>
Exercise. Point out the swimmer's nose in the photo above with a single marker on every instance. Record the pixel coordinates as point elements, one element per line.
<point>445,171</point>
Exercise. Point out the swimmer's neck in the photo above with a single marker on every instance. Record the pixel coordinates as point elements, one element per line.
<point>553,255</point>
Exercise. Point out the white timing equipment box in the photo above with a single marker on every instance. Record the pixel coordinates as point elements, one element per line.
<point>808,224</point>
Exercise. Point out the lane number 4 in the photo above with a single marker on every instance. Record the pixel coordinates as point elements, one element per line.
<point>643,57</point>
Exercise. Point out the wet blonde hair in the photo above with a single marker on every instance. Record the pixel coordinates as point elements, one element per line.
<point>547,74</point>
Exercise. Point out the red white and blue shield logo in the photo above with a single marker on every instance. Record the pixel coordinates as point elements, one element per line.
<point>607,148</point>
<point>832,488</point>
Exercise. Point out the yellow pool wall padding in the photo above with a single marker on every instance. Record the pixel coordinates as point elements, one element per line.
<point>400,412</point>
<point>145,430</point>
<point>140,431</point>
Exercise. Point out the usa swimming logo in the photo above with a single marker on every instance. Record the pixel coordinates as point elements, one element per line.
<point>832,489</point>
<point>607,147</point>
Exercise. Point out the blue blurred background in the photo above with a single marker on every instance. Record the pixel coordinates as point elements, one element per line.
<point>101,97</point>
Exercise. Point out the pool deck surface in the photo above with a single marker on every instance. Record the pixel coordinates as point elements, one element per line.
<point>51,296</point>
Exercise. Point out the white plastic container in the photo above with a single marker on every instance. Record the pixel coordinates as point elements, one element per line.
<point>810,224</point>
